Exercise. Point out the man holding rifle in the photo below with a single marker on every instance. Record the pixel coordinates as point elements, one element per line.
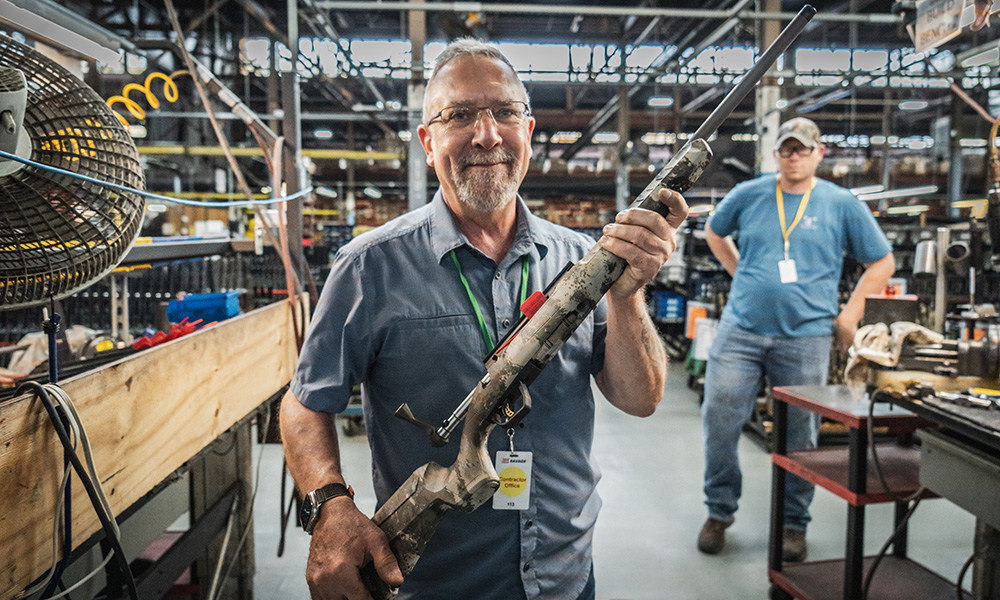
<point>410,310</point>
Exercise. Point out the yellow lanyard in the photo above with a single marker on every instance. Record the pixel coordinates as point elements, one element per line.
<point>785,232</point>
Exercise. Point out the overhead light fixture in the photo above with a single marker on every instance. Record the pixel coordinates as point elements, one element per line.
<point>867,189</point>
<point>605,137</point>
<point>973,143</point>
<point>706,96</point>
<point>156,208</point>
<point>661,101</point>
<point>823,100</point>
<point>325,191</point>
<point>980,55</point>
<point>323,134</point>
<point>372,192</point>
<point>913,209</point>
<point>50,23</point>
<point>658,138</point>
<point>565,137</point>
<point>913,105</point>
<point>781,103</point>
<point>700,209</point>
<point>900,193</point>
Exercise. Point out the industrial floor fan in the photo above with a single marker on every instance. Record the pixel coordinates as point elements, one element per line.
<point>59,233</point>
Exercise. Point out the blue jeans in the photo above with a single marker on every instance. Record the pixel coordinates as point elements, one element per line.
<point>737,362</point>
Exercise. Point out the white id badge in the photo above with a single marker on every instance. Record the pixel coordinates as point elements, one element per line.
<point>514,469</point>
<point>787,272</point>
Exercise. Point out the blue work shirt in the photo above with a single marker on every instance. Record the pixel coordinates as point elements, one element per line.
<point>395,318</point>
<point>835,223</point>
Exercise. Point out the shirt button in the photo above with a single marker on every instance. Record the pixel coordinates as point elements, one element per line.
<point>498,275</point>
<point>506,322</point>
<point>528,524</point>
<point>526,567</point>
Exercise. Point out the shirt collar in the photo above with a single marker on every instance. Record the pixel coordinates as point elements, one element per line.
<point>445,235</point>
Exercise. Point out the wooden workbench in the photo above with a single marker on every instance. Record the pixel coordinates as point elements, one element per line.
<point>146,416</point>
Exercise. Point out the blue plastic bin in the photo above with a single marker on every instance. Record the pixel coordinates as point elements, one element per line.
<point>668,306</point>
<point>217,306</point>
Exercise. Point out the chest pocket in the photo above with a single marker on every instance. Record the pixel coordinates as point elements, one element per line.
<point>423,361</point>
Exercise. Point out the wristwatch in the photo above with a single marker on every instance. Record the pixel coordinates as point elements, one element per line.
<point>309,512</point>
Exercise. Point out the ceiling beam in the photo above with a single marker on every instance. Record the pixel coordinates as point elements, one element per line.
<point>616,11</point>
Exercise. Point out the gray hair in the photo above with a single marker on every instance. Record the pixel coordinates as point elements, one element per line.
<point>468,46</point>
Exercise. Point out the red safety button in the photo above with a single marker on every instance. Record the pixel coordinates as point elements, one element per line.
<point>532,304</point>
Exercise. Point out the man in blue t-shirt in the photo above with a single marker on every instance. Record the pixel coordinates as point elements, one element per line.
<point>782,313</point>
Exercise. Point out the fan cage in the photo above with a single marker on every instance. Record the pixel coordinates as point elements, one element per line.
<point>59,233</point>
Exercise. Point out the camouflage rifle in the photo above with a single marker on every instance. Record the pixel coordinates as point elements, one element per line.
<point>412,514</point>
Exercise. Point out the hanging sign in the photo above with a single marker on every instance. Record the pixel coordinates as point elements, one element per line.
<point>937,22</point>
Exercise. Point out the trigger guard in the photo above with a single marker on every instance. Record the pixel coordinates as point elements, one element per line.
<point>506,417</point>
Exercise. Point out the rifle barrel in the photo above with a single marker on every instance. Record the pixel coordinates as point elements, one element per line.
<point>755,74</point>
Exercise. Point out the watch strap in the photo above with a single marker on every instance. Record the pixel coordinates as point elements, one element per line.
<point>331,491</point>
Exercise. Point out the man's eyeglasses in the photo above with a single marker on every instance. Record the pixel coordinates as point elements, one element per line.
<point>460,116</point>
<point>802,151</point>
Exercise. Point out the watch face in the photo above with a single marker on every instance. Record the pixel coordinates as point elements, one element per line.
<point>305,513</point>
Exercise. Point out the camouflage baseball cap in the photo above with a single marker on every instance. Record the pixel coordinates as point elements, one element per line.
<point>801,129</point>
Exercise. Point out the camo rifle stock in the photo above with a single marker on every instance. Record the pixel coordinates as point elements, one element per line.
<point>412,514</point>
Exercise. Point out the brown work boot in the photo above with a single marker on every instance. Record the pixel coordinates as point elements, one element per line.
<point>712,538</point>
<point>793,545</point>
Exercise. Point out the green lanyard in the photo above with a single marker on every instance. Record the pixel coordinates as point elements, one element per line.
<point>483,329</point>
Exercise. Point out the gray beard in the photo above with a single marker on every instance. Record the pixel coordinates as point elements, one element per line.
<point>486,191</point>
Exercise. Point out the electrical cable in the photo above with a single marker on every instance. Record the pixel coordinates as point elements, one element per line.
<point>959,593</point>
<point>199,72</point>
<point>878,465</point>
<point>97,499</point>
<point>151,195</point>
<point>73,418</point>
<point>885,547</point>
<point>50,326</point>
<point>915,498</point>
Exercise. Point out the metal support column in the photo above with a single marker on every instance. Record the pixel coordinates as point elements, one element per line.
<point>768,93</point>
<point>121,327</point>
<point>292,172</point>
<point>955,171</point>
<point>622,192</point>
<point>883,204</point>
<point>416,159</point>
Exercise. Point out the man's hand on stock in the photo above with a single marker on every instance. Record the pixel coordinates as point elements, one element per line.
<point>343,541</point>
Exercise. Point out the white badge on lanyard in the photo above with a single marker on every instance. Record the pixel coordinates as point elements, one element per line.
<point>514,469</point>
<point>787,272</point>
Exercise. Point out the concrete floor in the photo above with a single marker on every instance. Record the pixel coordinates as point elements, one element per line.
<point>645,540</point>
